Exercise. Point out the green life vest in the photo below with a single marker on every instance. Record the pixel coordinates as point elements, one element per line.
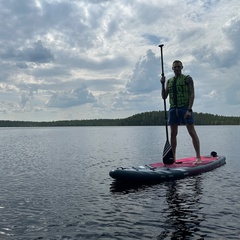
<point>178,91</point>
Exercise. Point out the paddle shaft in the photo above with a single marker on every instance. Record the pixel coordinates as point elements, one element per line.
<point>163,86</point>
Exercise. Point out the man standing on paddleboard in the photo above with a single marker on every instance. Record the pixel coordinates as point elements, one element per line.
<point>180,89</point>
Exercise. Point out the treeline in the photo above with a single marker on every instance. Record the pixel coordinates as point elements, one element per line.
<point>141,119</point>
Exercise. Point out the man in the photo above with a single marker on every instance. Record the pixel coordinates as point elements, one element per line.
<point>180,89</point>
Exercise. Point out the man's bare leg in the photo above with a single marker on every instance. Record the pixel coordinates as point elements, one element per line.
<point>174,132</point>
<point>195,141</point>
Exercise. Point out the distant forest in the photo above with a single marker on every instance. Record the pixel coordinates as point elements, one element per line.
<point>142,119</point>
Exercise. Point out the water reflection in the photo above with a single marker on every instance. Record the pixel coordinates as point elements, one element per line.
<point>125,188</point>
<point>182,213</point>
<point>181,217</point>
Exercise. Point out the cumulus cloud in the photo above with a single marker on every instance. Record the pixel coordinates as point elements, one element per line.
<point>70,98</point>
<point>145,77</point>
<point>37,53</point>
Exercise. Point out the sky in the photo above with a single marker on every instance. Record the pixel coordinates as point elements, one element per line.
<point>99,59</point>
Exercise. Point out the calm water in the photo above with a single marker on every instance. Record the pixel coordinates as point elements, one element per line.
<point>54,184</point>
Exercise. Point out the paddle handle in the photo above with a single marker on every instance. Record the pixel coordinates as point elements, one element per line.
<point>161,49</point>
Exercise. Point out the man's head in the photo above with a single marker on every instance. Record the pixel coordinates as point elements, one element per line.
<point>177,67</point>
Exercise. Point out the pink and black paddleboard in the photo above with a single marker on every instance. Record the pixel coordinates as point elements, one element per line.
<point>159,172</point>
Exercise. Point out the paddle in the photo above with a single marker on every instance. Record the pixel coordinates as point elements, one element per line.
<point>168,156</point>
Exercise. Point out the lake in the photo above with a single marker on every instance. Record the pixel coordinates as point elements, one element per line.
<point>55,184</point>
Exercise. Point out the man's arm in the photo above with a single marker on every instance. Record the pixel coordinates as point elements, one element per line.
<point>190,91</point>
<point>164,93</point>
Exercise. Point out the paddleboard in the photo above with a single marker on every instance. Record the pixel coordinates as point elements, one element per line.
<point>159,172</point>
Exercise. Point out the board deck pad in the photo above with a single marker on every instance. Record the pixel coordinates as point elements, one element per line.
<point>185,162</point>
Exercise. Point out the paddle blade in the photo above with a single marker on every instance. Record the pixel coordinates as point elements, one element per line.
<point>168,157</point>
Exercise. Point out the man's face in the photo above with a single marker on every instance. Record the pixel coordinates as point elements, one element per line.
<point>177,68</point>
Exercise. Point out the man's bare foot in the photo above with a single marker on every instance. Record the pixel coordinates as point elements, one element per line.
<point>198,161</point>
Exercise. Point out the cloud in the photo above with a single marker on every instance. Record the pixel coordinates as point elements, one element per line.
<point>152,39</point>
<point>223,54</point>
<point>37,54</point>
<point>145,77</point>
<point>143,102</point>
<point>24,99</point>
<point>70,98</point>
<point>55,56</point>
<point>232,30</point>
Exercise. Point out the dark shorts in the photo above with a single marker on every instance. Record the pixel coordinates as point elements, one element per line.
<point>176,116</point>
